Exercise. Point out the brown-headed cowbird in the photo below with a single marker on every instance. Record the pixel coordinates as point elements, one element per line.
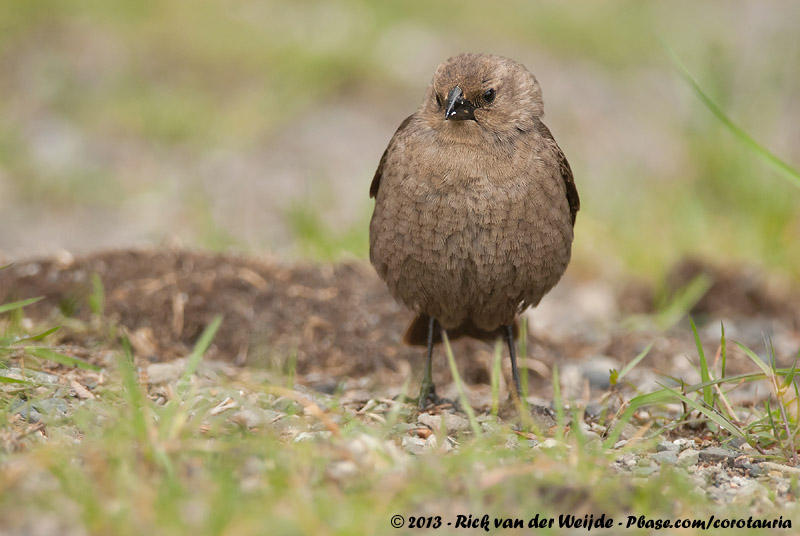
<point>474,206</point>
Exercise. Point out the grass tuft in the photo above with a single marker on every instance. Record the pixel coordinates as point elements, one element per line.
<point>708,396</point>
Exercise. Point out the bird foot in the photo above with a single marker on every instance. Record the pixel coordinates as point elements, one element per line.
<point>428,399</point>
<point>436,404</point>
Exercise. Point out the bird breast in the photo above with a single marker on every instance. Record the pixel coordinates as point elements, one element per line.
<point>459,233</point>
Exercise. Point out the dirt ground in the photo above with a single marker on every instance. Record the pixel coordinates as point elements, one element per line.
<point>339,322</point>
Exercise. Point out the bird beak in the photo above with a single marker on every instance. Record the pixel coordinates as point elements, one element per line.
<point>457,107</point>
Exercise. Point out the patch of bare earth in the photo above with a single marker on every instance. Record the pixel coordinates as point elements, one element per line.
<point>339,322</point>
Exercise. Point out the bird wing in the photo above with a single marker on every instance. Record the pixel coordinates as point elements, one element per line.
<point>376,180</point>
<point>566,172</point>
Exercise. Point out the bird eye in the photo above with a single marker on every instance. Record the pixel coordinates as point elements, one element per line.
<point>489,95</point>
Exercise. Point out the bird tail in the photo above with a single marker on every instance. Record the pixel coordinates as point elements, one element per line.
<point>417,332</point>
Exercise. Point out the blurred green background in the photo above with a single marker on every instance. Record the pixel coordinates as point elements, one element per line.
<point>256,126</point>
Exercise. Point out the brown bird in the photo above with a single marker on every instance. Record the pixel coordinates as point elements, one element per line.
<point>474,206</point>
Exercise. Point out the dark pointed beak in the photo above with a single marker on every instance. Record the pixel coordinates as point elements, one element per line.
<point>457,107</point>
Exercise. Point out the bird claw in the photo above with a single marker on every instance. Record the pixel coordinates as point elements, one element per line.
<point>428,399</point>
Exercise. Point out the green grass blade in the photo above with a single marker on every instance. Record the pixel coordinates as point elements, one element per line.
<point>18,304</point>
<point>683,300</point>
<point>773,427</point>
<point>577,432</point>
<point>6,379</point>
<point>56,357</point>
<point>723,345</point>
<point>768,372</point>
<point>462,394</point>
<point>656,397</point>
<point>789,378</point>
<point>136,400</point>
<point>559,404</point>
<point>39,336</point>
<point>291,368</point>
<point>708,393</point>
<point>495,379</point>
<point>199,350</point>
<point>787,171</point>
<point>771,375</point>
<point>635,361</point>
<point>141,409</point>
<point>747,376</point>
<point>523,355</point>
<point>97,299</point>
<point>709,412</point>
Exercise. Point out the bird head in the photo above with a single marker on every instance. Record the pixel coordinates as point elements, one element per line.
<point>482,92</point>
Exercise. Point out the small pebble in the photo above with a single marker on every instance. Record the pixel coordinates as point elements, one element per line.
<point>52,406</point>
<point>342,470</point>
<point>667,446</point>
<point>592,437</point>
<point>29,414</point>
<point>422,432</point>
<point>665,457</point>
<point>779,467</point>
<point>452,422</point>
<point>688,458</point>
<point>158,373</point>
<point>312,436</point>
<point>594,411</point>
<point>645,471</point>
<point>417,445</point>
<point>598,429</point>
<point>718,455</point>
<point>756,470</point>
<point>738,481</point>
<point>253,417</point>
<point>629,431</point>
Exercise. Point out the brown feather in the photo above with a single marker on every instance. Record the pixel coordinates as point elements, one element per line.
<point>417,332</point>
<point>473,219</point>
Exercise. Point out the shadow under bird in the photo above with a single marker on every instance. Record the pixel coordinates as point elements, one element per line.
<point>475,206</point>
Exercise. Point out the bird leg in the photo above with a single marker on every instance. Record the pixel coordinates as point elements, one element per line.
<point>427,389</point>
<point>512,351</point>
